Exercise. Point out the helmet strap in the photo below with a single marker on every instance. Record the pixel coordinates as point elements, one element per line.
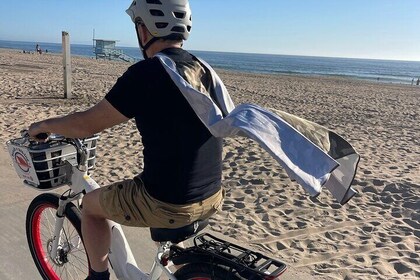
<point>147,46</point>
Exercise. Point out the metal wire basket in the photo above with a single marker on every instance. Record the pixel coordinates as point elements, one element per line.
<point>47,165</point>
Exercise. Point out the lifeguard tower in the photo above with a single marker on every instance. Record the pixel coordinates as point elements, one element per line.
<point>106,49</point>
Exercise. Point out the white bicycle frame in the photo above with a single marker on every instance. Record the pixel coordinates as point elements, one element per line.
<point>120,255</point>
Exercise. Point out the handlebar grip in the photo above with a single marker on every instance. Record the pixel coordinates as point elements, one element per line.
<point>42,136</point>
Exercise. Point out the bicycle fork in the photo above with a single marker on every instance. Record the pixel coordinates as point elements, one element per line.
<point>68,245</point>
<point>58,226</point>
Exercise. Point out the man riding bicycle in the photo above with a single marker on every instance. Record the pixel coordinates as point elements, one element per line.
<point>181,180</point>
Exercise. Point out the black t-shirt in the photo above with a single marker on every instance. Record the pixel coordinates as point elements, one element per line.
<point>182,160</point>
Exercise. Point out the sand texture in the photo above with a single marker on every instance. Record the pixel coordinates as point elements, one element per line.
<point>375,236</point>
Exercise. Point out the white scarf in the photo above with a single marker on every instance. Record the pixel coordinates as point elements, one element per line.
<point>303,160</point>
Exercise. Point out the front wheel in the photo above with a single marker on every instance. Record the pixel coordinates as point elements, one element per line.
<point>205,271</point>
<point>71,261</point>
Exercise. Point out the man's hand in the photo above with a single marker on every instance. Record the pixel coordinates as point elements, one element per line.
<point>38,131</point>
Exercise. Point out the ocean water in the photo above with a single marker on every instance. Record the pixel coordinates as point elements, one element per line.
<point>389,71</point>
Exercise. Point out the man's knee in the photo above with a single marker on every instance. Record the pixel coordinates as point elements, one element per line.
<point>91,205</point>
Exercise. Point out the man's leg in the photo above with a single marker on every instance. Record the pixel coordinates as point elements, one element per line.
<point>96,231</point>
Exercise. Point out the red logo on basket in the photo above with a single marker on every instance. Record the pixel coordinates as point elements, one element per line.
<point>21,161</point>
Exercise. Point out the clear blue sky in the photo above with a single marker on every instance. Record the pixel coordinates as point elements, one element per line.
<point>388,29</point>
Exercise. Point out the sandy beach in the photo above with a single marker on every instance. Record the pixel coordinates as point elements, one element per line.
<point>375,236</point>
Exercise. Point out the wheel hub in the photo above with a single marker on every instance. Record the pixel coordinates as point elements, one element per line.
<point>61,257</point>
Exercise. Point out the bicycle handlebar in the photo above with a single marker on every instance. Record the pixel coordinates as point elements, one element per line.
<point>43,136</point>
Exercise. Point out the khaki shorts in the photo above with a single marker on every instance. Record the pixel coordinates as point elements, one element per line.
<point>129,204</point>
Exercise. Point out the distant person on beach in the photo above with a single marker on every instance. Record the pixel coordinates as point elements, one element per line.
<point>182,159</point>
<point>412,81</point>
<point>38,49</point>
<point>418,81</point>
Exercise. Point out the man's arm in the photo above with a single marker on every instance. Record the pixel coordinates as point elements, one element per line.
<point>82,124</point>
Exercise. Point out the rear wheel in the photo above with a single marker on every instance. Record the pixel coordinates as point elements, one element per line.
<point>71,261</point>
<point>205,271</point>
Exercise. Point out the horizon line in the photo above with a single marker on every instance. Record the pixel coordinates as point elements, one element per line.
<point>241,52</point>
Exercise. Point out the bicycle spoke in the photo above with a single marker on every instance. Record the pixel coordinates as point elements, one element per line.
<point>77,270</point>
<point>80,260</point>
<point>49,224</point>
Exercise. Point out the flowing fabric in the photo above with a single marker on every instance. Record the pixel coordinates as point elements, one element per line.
<point>312,155</point>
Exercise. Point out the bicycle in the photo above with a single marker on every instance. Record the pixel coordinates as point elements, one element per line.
<point>53,224</point>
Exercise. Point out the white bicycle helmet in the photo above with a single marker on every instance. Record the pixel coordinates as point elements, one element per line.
<point>163,18</point>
